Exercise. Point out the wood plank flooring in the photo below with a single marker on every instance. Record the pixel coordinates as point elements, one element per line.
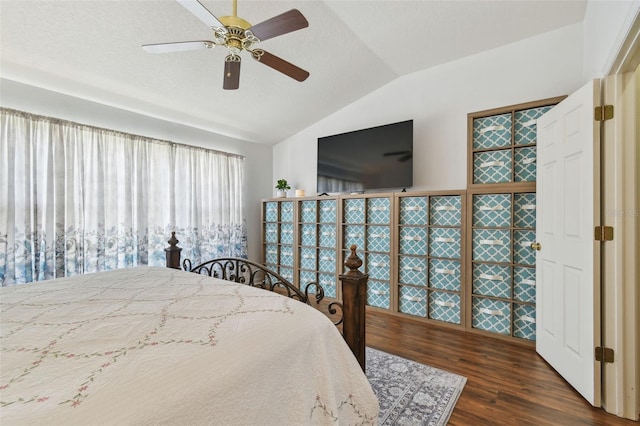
<point>507,383</point>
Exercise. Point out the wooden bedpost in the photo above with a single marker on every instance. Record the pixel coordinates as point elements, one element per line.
<point>354,299</point>
<point>173,252</point>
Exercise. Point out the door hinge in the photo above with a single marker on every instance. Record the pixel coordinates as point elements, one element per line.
<point>604,354</point>
<point>603,233</point>
<point>603,113</point>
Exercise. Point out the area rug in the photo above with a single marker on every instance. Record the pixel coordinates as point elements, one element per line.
<point>411,393</point>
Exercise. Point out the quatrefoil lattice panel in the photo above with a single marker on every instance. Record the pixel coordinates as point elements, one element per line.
<point>308,258</point>
<point>306,277</point>
<point>327,260</point>
<point>445,242</point>
<point>354,210</point>
<point>328,283</point>
<point>413,210</point>
<point>444,274</point>
<point>353,234</point>
<point>378,238</point>
<point>271,254</point>
<point>378,294</point>
<point>412,301</point>
<point>524,321</point>
<point>327,235</point>
<point>525,125</point>
<point>492,132</point>
<point>413,240</point>
<point>378,266</point>
<point>378,211</point>
<point>286,233</point>
<point>413,270</point>
<point>491,315</point>
<point>271,211</point>
<point>308,234</point>
<point>308,211</point>
<point>525,164</point>
<point>492,210</point>
<point>286,211</point>
<point>524,284</point>
<point>524,210</point>
<point>286,256</point>
<point>444,306</point>
<point>327,211</point>
<point>286,272</point>
<point>492,166</point>
<point>523,254</point>
<point>492,280</point>
<point>271,232</point>
<point>492,245</point>
<point>446,211</point>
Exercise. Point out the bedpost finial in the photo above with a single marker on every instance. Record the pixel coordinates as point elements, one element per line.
<point>172,252</point>
<point>173,241</point>
<point>353,262</point>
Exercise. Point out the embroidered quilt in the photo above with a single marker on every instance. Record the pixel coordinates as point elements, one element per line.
<point>157,346</point>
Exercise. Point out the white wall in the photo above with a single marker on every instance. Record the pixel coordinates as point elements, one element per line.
<point>439,99</point>
<point>606,25</point>
<point>257,164</point>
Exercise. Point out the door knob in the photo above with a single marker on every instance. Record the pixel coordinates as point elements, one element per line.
<point>536,246</point>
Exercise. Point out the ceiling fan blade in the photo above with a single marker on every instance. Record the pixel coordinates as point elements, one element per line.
<point>231,72</point>
<point>280,64</point>
<point>387,154</point>
<point>284,23</point>
<point>202,13</point>
<point>181,46</point>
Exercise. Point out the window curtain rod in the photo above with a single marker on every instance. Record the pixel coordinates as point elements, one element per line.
<point>60,121</point>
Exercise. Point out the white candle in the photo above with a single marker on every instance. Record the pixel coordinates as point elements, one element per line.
<point>299,192</point>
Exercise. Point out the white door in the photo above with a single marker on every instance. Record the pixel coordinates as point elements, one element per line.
<point>568,265</point>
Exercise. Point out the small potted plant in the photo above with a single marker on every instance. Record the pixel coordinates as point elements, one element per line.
<point>282,188</point>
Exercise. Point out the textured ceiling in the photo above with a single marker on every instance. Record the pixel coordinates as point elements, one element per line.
<point>91,49</point>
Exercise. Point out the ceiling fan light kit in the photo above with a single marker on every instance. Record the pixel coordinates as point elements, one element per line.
<point>236,34</point>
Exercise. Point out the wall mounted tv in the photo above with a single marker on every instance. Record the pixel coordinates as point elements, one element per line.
<point>378,158</point>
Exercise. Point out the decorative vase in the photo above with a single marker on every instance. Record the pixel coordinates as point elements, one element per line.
<point>282,193</point>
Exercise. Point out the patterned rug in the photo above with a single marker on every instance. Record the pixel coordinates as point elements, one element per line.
<point>411,393</point>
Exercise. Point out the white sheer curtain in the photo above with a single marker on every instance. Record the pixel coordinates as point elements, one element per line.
<point>77,199</point>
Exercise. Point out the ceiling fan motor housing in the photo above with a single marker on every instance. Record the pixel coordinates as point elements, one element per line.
<point>236,37</point>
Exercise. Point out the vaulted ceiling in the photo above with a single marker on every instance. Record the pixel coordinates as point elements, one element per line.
<point>92,49</point>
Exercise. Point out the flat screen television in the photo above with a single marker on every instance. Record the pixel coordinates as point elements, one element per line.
<point>377,158</point>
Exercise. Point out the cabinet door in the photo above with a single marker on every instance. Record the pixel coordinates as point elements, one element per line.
<point>278,237</point>
<point>429,255</point>
<point>366,223</point>
<point>502,144</point>
<point>502,263</point>
<point>317,235</point>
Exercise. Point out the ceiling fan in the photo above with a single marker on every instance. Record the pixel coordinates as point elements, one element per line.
<point>406,155</point>
<point>237,35</point>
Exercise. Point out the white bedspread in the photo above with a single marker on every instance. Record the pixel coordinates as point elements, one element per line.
<point>154,346</point>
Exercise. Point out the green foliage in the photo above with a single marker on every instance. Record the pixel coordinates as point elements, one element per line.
<point>282,185</point>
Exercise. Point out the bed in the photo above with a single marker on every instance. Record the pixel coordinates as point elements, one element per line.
<point>154,345</point>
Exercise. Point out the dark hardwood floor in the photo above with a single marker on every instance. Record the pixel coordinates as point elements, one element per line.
<point>507,383</point>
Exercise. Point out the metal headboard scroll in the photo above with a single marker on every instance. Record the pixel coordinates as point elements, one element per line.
<point>244,271</point>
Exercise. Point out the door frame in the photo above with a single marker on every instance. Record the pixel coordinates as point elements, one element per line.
<point>620,158</point>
